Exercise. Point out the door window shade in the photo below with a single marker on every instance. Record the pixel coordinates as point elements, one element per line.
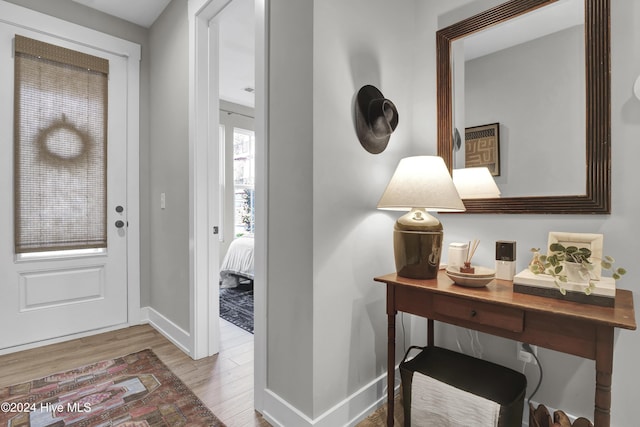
<point>60,140</point>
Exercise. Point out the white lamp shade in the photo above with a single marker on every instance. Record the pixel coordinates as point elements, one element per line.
<point>475,183</point>
<point>421,182</point>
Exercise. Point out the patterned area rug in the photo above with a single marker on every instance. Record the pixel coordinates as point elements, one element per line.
<point>137,390</point>
<point>236,306</point>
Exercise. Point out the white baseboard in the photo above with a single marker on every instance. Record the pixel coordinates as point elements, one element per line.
<point>65,338</point>
<point>174,333</point>
<point>279,413</point>
<point>349,412</point>
<point>171,331</point>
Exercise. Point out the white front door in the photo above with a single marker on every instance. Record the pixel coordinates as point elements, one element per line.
<point>54,295</point>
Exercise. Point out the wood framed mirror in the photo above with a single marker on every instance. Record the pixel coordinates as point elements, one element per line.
<point>596,198</point>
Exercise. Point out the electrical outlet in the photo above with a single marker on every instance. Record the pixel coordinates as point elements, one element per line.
<point>524,355</point>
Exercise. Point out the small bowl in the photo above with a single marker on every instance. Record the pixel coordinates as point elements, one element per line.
<point>482,278</point>
<point>479,272</point>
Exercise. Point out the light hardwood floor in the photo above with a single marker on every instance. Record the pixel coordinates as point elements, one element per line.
<point>224,382</point>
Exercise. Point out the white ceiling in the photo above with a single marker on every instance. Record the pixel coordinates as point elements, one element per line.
<point>141,12</point>
<point>539,23</point>
<point>237,52</point>
<point>237,45</point>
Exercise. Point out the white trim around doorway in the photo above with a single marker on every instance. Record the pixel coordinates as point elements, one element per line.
<point>203,300</point>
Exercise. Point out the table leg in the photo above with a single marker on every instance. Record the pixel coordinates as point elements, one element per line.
<point>604,369</point>
<point>391,353</point>
<point>430,333</point>
<point>391,370</point>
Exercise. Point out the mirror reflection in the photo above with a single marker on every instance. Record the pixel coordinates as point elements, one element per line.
<point>527,75</point>
<point>542,154</point>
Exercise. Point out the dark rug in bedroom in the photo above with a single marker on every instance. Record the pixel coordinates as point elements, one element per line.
<point>236,306</point>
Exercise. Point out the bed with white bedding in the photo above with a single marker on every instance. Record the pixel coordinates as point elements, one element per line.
<point>237,264</point>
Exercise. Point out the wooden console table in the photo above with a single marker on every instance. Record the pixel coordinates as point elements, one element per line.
<point>579,329</point>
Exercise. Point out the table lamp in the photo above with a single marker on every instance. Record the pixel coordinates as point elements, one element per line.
<point>475,183</point>
<point>418,185</point>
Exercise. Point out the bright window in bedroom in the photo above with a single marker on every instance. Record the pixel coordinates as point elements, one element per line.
<point>244,181</point>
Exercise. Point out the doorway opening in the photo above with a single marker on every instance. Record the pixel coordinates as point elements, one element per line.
<point>236,86</point>
<point>238,206</point>
<point>206,207</point>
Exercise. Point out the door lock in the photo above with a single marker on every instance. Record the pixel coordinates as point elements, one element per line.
<point>119,224</point>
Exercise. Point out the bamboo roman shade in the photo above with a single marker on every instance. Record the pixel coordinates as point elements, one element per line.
<point>60,137</point>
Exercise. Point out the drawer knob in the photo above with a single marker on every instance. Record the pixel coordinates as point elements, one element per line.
<point>473,313</point>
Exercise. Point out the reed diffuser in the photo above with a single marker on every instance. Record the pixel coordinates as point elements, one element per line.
<point>471,249</point>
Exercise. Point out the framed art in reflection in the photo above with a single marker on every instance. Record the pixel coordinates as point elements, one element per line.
<point>482,147</point>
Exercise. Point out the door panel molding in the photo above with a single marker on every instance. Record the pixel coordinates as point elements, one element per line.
<point>54,288</point>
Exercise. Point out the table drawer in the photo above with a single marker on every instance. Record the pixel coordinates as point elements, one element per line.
<point>480,313</point>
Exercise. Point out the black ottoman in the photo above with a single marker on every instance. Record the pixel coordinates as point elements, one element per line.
<point>485,379</point>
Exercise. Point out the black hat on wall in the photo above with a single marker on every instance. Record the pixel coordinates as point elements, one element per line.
<point>376,118</point>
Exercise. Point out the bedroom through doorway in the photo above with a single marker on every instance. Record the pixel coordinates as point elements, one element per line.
<point>237,264</point>
<point>237,162</point>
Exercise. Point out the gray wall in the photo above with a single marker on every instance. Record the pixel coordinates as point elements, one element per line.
<point>355,43</point>
<point>535,90</point>
<point>568,381</point>
<point>290,311</point>
<point>362,42</point>
<point>326,320</point>
<point>169,161</point>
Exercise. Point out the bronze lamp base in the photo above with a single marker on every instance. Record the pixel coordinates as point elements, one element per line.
<point>417,243</point>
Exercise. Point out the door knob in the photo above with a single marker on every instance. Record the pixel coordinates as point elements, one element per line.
<point>119,224</point>
<point>119,209</point>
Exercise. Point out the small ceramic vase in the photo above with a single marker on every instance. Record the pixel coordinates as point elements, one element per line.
<point>536,265</point>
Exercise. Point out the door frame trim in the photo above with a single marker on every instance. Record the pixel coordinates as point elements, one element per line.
<point>202,301</point>
<point>204,330</point>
